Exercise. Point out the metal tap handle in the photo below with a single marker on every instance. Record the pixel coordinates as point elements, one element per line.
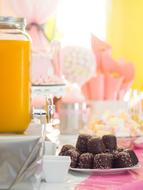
<point>50,108</point>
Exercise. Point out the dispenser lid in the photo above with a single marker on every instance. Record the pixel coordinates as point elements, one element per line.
<point>19,22</point>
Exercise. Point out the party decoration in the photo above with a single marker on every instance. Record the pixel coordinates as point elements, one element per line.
<point>117,76</point>
<point>35,18</point>
<point>78,64</point>
<point>100,48</point>
<point>112,87</point>
<point>46,67</point>
<point>94,88</point>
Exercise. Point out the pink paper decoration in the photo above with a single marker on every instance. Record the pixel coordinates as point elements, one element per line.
<point>127,70</point>
<point>86,90</point>
<point>118,75</point>
<point>99,47</point>
<point>108,64</point>
<point>94,88</point>
<point>112,87</point>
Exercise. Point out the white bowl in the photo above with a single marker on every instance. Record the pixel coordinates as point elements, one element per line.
<point>55,168</point>
<point>100,107</point>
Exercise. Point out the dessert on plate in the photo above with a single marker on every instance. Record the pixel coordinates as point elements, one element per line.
<point>99,153</point>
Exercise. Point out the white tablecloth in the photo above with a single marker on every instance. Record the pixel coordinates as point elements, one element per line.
<point>72,180</point>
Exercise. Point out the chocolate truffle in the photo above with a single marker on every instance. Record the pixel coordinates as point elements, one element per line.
<point>133,156</point>
<point>122,160</point>
<point>81,143</point>
<point>107,151</point>
<point>120,149</point>
<point>66,148</point>
<point>86,160</point>
<point>103,161</point>
<point>110,142</point>
<point>116,152</point>
<point>95,145</point>
<point>74,155</point>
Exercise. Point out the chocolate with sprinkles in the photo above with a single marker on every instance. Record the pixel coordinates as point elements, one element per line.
<point>103,161</point>
<point>82,141</point>
<point>95,145</point>
<point>86,160</point>
<point>133,156</point>
<point>66,148</point>
<point>110,142</point>
<point>122,160</point>
<point>74,155</point>
<point>99,153</point>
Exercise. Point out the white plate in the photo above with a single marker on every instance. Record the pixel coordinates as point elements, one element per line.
<point>106,171</point>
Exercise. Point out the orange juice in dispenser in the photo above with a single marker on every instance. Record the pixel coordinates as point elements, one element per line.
<point>15,113</point>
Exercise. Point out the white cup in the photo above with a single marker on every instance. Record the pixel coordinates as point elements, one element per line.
<point>55,168</point>
<point>50,148</point>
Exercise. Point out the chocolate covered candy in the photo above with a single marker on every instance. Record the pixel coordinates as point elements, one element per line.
<point>95,145</point>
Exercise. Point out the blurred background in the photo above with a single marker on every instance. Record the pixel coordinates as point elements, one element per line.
<point>72,22</point>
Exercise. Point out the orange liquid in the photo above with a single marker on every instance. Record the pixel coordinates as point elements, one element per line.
<point>14,85</point>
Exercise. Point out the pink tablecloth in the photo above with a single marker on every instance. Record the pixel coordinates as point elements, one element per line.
<point>126,181</point>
